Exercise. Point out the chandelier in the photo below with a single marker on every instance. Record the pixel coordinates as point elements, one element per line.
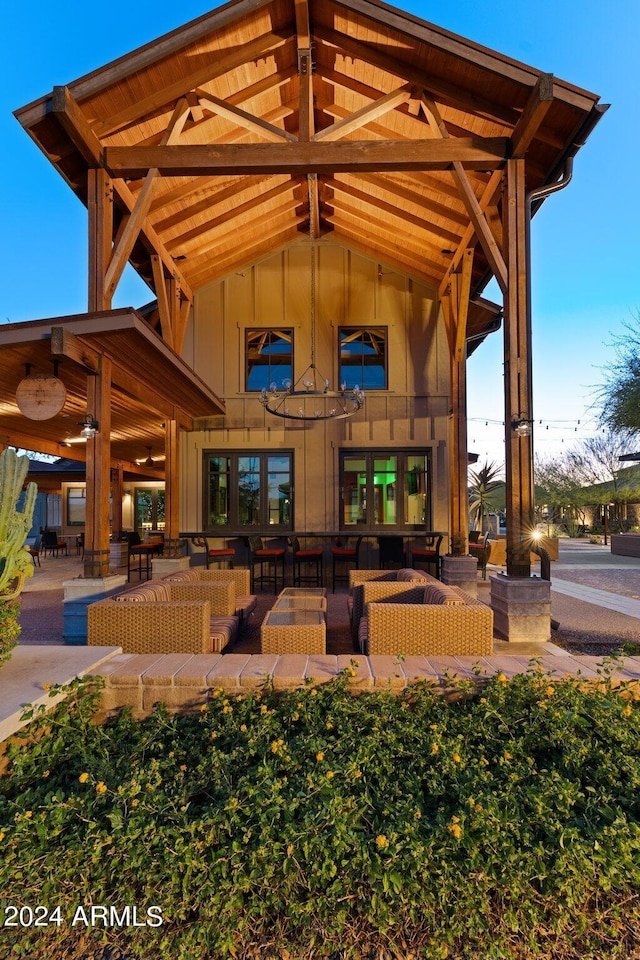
<point>310,398</point>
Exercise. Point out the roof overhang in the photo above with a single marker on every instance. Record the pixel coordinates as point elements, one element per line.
<point>150,385</point>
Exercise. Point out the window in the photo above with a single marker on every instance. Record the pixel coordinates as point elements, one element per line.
<point>248,490</point>
<point>76,506</point>
<point>149,508</point>
<point>269,358</point>
<point>389,489</point>
<point>363,357</point>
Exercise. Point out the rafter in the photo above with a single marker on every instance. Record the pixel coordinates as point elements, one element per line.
<point>476,215</point>
<point>401,260</point>
<point>244,254</point>
<point>535,111</point>
<point>266,44</point>
<point>346,213</point>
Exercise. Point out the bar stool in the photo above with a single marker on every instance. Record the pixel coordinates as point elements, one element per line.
<point>272,556</point>
<point>345,555</point>
<point>391,550</point>
<point>312,559</point>
<point>219,555</point>
<point>429,554</point>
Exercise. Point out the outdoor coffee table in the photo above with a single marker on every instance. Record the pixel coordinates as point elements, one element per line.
<point>303,592</point>
<point>294,631</point>
<point>301,603</point>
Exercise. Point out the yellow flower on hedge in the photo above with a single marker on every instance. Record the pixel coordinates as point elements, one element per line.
<point>314,692</point>
<point>351,671</point>
<point>275,746</point>
<point>329,725</point>
<point>329,774</point>
<point>263,708</point>
<point>357,774</point>
<point>319,756</point>
<point>213,735</point>
<point>243,728</point>
<point>227,709</point>
<point>101,787</point>
<point>183,767</point>
<point>501,678</point>
<point>47,685</point>
<point>83,777</point>
<point>28,814</point>
<point>457,758</point>
<point>203,707</point>
<point>455,829</point>
<point>381,841</point>
<point>135,802</point>
<point>627,711</point>
<point>507,755</point>
<point>434,748</point>
<point>2,836</point>
<point>550,691</point>
<point>47,773</point>
<point>418,814</point>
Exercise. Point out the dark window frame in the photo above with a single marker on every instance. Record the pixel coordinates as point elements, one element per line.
<point>362,380</point>
<point>404,478</point>
<point>268,331</point>
<point>262,523</point>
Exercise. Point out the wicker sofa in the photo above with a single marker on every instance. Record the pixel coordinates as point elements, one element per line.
<point>165,617</point>
<point>413,618</point>
<point>358,578</point>
<point>240,577</point>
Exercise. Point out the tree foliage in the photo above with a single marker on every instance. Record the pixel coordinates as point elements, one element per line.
<point>484,487</point>
<point>620,394</point>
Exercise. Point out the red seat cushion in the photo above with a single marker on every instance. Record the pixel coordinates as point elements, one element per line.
<point>343,552</point>
<point>424,554</point>
<point>222,553</point>
<point>274,552</point>
<point>308,553</point>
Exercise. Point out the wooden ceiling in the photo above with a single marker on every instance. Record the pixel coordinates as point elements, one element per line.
<point>150,385</point>
<point>228,137</point>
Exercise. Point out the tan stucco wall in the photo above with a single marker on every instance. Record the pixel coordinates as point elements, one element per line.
<point>351,289</point>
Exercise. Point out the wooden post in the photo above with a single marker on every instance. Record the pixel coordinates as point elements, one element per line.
<point>96,553</point>
<point>100,207</point>
<point>171,490</point>
<point>458,458</point>
<point>117,478</point>
<point>517,375</point>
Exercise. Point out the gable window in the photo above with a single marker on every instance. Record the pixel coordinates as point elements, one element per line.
<point>390,489</point>
<point>363,357</point>
<point>248,489</point>
<point>268,358</point>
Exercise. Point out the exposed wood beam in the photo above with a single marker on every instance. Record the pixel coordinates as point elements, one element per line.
<point>402,192</point>
<point>469,237</point>
<point>306,116</point>
<point>243,255</point>
<point>243,119</point>
<point>215,198</point>
<point>66,344</point>
<point>400,260</point>
<point>70,114</point>
<point>405,218</point>
<point>303,25</point>
<point>135,222</point>
<point>163,301</point>
<point>366,114</point>
<point>215,68</point>
<point>302,158</point>
<point>216,242</point>
<point>280,190</point>
<point>462,293</point>
<point>476,215</point>
<point>314,206</point>
<point>364,221</point>
<point>531,118</point>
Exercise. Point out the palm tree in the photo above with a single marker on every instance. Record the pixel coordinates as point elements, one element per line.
<point>483,493</point>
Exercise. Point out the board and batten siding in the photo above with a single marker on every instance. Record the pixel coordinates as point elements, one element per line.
<point>351,289</point>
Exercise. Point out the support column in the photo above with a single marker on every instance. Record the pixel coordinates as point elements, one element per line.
<point>96,553</point>
<point>459,569</point>
<point>521,603</point>
<point>100,207</point>
<point>172,542</point>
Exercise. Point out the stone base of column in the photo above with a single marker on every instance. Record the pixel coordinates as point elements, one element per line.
<point>78,594</point>
<point>521,608</point>
<point>163,565</point>
<point>460,572</point>
<point>118,553</point>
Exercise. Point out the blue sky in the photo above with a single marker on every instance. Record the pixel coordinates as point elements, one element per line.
<point>584,251</point>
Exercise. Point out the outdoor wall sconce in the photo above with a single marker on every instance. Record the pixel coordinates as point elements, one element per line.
<point>522,427</point>
<point>89,427</point>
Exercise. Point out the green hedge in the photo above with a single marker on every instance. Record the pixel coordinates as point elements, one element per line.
<point>500,822</point>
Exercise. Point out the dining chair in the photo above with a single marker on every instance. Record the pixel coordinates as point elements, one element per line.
<point>348,556</point>
<point>307,564</point>
<point>429,555</point>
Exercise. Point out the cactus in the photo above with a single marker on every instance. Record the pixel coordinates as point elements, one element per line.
<point>15,560</point>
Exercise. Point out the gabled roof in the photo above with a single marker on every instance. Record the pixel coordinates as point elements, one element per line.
<point>406,126</point>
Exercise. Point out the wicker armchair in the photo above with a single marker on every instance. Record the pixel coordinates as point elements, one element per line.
<point>427,629</point>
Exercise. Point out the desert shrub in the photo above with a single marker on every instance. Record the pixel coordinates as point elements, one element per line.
<point>499,822</point>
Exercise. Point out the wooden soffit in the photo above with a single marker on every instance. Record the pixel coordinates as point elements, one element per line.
<point>151,385</point>
<point>211,135</point>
